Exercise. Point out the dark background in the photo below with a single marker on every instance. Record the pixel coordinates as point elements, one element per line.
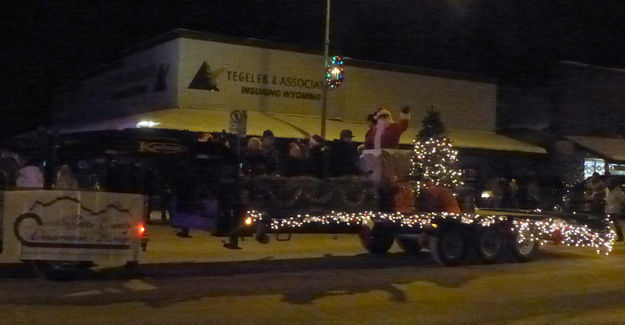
<point>46,44</point>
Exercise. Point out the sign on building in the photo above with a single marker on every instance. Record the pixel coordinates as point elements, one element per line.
<point>160,147</point>
<point>238,122</point>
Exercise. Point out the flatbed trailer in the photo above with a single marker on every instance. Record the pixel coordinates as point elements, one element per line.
<point>353,203</point>
<point>286,205</point>
<point>449,237</point>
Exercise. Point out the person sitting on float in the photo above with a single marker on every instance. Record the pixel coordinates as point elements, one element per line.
<point>297,153</point>
<point>205,137</point>
<point>253,158</point>
<point>317,159</point>
<point>386,132</point>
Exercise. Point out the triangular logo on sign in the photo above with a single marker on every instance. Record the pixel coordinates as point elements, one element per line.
<point>203,79</point>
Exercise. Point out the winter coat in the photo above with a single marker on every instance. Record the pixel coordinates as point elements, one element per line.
<point>30,176</point>
<point>343,158</point>
<point>387,137</point>
<point>254,163</point>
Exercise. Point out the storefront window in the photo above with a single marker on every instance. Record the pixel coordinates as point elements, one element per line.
<point>592,165</point>
<point>617,169</point>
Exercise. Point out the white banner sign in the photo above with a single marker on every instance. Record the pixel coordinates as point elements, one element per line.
<point>71,225</point>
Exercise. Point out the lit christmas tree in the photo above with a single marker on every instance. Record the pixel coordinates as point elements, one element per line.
<point>432,156</point>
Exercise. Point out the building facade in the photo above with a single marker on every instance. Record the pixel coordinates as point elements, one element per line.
<point>188,70</point>
<point>193,81</point>
<point>579,116</point>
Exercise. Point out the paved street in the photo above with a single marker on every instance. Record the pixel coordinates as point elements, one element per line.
<point>321,279</point>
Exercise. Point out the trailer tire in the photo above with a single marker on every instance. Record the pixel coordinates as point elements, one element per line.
<point>409,244</point>
<point>523,251</point>
<point>376,240</point>
<point>490,244</point>
<point>448,246</point>
<point>61,270</point>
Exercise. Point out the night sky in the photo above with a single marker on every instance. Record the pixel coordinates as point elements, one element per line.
<point>49,43</point>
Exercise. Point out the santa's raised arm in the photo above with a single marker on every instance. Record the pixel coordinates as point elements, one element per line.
<point>386,132</point>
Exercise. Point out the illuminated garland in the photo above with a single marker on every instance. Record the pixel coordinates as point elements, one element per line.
<point>560,232</point>
<point>334,74</point>
<point>543,230</point>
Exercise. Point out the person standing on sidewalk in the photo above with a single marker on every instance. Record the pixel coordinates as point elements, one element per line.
<point>597,188</point>
<point>614,203</point>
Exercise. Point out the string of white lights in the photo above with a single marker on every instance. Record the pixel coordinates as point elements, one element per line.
<point>435,159</point>
<point>542,230</point>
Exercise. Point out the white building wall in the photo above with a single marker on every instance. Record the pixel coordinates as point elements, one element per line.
<point>252,77</point>
<point>143,81</point>
<point>462,104</point>
<point>238,68</point>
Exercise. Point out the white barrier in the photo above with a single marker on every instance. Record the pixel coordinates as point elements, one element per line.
<point>386,166</point>
<point>70,226</point>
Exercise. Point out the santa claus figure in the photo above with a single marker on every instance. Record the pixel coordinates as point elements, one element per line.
<point>386,132</point>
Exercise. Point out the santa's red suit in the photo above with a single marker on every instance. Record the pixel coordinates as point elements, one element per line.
<point>386,133</point>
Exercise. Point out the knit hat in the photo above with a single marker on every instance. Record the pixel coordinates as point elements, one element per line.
<point>205,137</point>
<point>316,140</point>
<point>295,150</point>
<point>254,144</point>
<point>346,134</point>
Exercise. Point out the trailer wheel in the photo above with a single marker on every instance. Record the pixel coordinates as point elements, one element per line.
<point>490,244</point>
<point>61,270</point>
<point>409,244</point>
<point>523,250</point>
<point>448,246</point>
<point>376,240</point>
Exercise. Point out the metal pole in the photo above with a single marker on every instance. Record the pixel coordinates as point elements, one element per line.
<point>324,96</point>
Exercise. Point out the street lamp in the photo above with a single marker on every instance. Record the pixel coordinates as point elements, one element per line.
<point>324,96</point>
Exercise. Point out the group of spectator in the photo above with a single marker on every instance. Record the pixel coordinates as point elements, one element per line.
<point>508,192</point>
<point>93,174</point>
<point>607,198</point>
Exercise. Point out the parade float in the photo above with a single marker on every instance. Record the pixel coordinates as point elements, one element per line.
<point>399,196</point>
<point>407,198</point>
